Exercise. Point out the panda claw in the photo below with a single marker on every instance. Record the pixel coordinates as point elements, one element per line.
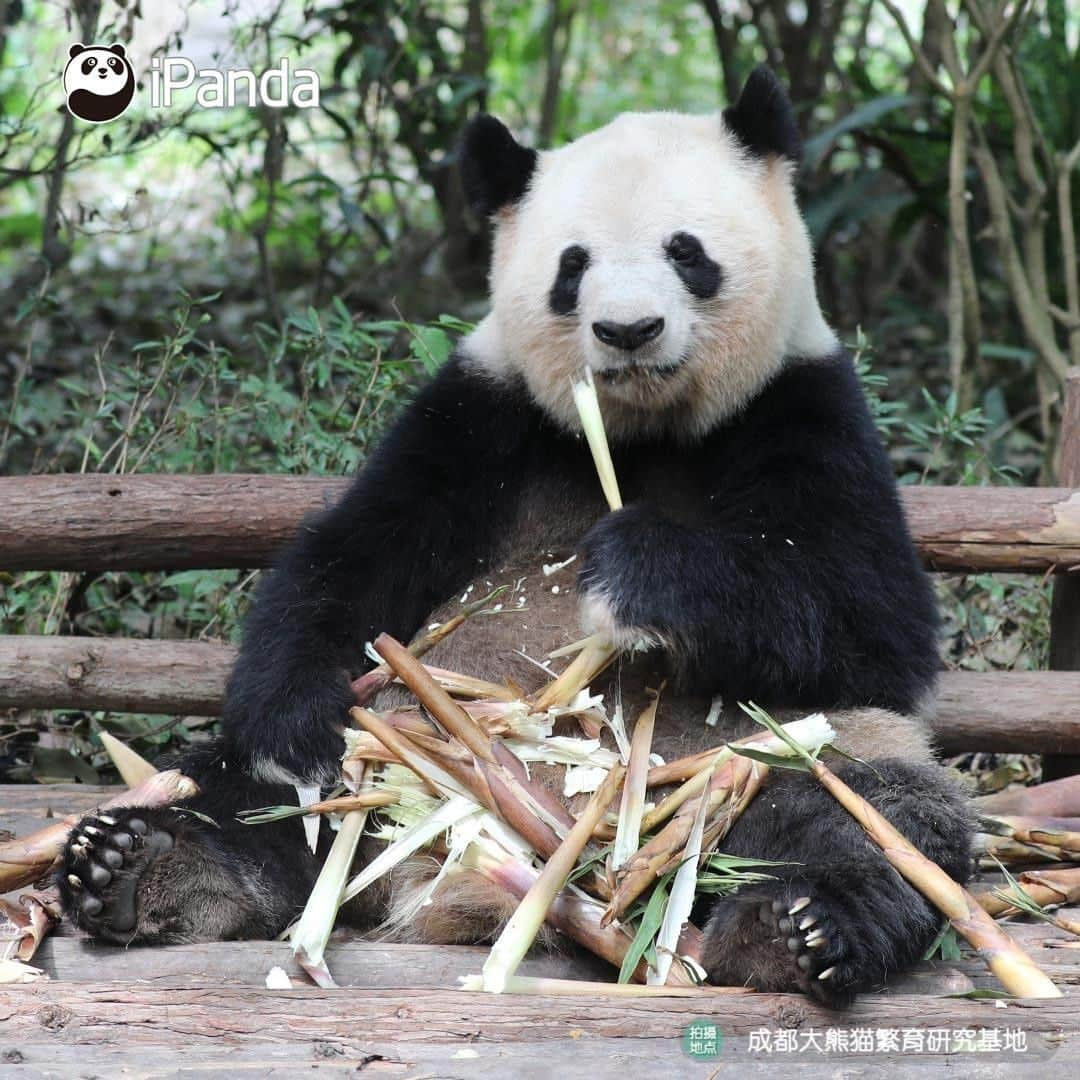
<point>827,974</point>
<point>74,882</point>
<point>807,922</point>
<point>802,902</point>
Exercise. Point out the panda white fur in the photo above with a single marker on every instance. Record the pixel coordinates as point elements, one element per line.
<point>99,82</point>
<point>762,548</point>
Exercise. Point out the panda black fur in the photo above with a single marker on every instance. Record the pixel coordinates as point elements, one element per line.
<point>762,548</point>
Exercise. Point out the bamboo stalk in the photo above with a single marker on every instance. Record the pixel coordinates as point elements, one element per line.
<point>518,935</point>
<point>650,861</point>
<point>434,698</point>
<point>570,913</point>
<point>468,686</point>
<point>1061,833</point>
<point>1017,972</point>
<point>132,767</point>
<point>312,931</point>
<point>1005,849</point>
<point>632,807</point>
<point>744,791</point>
<point>727,779</point>
<point>345,804</point>
<point>588,663</point>
<point>435,777</point>
<point>1046,887</point>
<point>491,785</point>
<point>1060,798</point>
<point>592,423</point>
<point>26,859</point>
<point>371,683</point>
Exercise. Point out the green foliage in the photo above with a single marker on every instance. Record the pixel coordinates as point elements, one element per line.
<point>989,621</point>
<point>309,398</point>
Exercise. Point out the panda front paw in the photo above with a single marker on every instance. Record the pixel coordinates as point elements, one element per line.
<point>623,592</point>
<point>286,727</point>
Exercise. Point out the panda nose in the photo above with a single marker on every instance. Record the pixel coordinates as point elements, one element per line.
<point>628,336</point>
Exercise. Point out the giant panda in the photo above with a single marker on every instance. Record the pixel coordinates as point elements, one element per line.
<point>762,551</point>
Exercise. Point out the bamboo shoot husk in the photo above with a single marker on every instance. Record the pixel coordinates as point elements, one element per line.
<point>26,859</point>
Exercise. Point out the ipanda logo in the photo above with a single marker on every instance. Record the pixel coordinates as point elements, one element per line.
<point>98,81</point>
<point>100,84</point>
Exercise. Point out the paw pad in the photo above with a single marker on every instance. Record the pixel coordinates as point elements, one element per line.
<point>101,867</point>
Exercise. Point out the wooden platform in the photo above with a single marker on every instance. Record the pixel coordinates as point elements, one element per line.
<point>204,1009</point>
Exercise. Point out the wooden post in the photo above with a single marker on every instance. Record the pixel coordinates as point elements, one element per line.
<point>1065,607</point>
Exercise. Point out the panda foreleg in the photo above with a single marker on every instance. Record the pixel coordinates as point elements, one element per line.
<point>837,919</point>
<point>414,526</point>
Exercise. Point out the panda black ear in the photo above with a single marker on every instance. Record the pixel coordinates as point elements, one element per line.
<point>495,167</point>
<point>75,49</point>
<point>763,119</point>
<point>118,49</point>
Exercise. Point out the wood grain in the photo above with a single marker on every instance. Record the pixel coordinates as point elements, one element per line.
<point>157,522</point>
<point>1000,711</point>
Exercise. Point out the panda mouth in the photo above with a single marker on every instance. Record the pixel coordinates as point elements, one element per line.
<point>635,372</point>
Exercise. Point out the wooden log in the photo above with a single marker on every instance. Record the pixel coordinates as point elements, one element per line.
<point>363,965</point>
<point>119,674</point>
<point>142,1016</point>
<point>1065,604</point>
<point>1005,711</point>
<point>97,523</point>
<point>152,522</point>
<point>1009,711</point>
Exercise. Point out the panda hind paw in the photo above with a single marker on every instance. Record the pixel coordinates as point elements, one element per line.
<point>787,941</point>
<point>105,858</point>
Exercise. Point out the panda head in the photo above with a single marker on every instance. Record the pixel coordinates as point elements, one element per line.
<point>99,82</point>
<point>664,251</point>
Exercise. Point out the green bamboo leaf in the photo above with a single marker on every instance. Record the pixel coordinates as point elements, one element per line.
<point>647,928</point>
<point>772,760</point>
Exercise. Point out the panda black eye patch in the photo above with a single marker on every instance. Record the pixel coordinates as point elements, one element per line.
<point>700,275</point>
<point>573,263</point>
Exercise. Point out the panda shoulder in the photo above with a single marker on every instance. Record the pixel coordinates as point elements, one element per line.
<point>464,404</point>
<point>826,387</point>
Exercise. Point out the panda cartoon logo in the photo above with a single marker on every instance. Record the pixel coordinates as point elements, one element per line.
<point>99,82</point>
